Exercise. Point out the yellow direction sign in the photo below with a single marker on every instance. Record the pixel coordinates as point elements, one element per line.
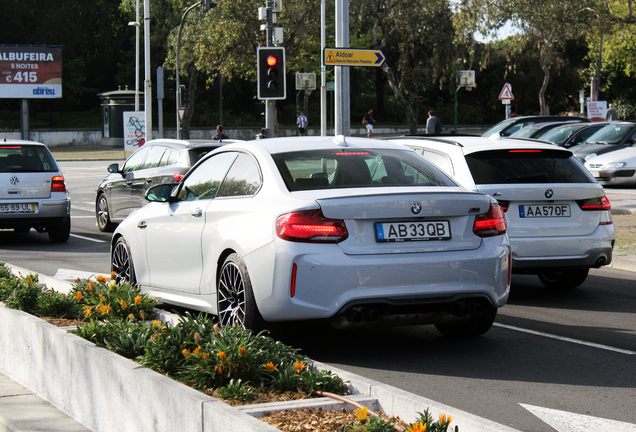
<point>352,57</point>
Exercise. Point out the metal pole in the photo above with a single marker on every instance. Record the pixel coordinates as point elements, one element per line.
<point>456,108</point>
<point>147,73</point>
<point>338,72</point>
<point>323,72</point>
<point>137,56</point>
<point>346,109</point>
<point>177,84</point>
<point>24,119</point>
<point>270,105</point>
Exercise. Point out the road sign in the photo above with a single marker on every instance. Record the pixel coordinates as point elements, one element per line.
<point>352,57</point>
<point>181,111</point>
<point>506,93</point>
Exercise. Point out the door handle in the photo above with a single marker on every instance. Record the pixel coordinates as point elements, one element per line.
<point>196,212</point>
<point>142,224</point>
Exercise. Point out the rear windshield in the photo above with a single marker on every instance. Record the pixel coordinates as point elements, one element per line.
<point>26,158</point>
<point>329,169</point>
<point>526,166</point>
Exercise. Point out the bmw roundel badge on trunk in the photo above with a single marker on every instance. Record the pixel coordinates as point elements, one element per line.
<point>416,208</point>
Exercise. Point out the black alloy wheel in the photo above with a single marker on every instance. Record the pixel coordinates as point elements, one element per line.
<point>103,217</point>
<point>235,300</point>
<point>122,264</point>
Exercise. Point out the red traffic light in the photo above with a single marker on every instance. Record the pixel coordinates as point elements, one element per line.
<point>272,60</point>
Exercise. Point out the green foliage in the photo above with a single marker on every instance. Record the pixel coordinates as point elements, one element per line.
<point>25,294</point>
<point>237,391</point>
<point>371,424</point>
<point>54,304</point>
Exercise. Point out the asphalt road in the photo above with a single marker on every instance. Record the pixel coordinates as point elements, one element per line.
<point>572,351</point>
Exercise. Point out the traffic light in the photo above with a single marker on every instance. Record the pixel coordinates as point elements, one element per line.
<point>271,73</point>
<point>165,85</point>
<point>185,97</point>
<point>207,5</point>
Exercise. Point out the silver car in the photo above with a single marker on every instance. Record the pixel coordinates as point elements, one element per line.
<point>559,219</point>
<point>356,231</point>
<point>32,191</point>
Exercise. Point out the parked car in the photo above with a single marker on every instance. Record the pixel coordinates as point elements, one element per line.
<point>616,168</point>
<point>569,135</point>
<point>158,161</point>
<point>614,136</point>
<point>33,192</point>
<point>357,231</point>
<point>509,126</point>
<point>538,129</point>
<point>559,219</point>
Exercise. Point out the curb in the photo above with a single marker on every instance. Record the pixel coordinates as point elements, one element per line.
<point>98,388</point>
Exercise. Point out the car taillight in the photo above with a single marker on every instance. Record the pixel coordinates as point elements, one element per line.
<point>57,184</point>
<point>595,204</point>
<point>490,224</point>
<point>504,205</point>
<point>177,177</point>
<point>310,226</point>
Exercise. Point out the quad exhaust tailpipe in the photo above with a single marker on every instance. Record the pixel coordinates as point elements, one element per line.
<point>358,315</point>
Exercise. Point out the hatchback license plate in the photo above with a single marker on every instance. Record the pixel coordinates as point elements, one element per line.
<point>412,231</point>
<point>17,208</point>
<point>548,210</point>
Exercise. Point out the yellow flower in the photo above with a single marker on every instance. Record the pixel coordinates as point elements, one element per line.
<point>222,357</point>
<point>112,283</point>
<point>270,366</point>
<point>205,356</point>
<point>101,298</point>
<point>87,311</point>
<point>197,337</point>
<point>123,304</point>
<point>186,353</point>
<point>242,351</point>
<point>89,287</point>
<point>217,329</point>
<point>142,314</point>
<point>443,418</point>
<point>131,317</point>
<point>299,366</point>
<point>417,427</point>
<point>197,351</point>
<point>137,300</point>
<point>361,413</point>
<point>103,309</point>
<point>79,296</point>
<point>156,324</point>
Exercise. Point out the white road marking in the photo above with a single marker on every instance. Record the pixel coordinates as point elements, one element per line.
<point>566,339</point>
<point>88,238</point>
<point>564,421</point>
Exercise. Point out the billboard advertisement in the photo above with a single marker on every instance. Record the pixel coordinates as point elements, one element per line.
<point>30,72</point>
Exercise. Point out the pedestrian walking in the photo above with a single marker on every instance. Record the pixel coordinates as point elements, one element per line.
<point>433,124</point>
<point>611,114</point>
<point>219,134</point>
<point>367,120</point>
<point>302,123</point>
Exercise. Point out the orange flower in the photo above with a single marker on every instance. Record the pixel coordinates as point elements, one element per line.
<point>219,369</point>
<point>270,366</point>
<point>217,329</point>
<point>137,300</point>
<point>417,427</point>
<point>101,278</point>
<point>205,356</point>
<point>103,309</point>
<point>123,304</point>
<point>186,353</point>
<point>222,357</point>
<point>443,418</point>
<point>242,351</point>
<point>197,351</point>
<point>299,366</point>
<point>131,317</point>
<point>101,298</point>
<point>113,274</point>
<point>79,296</point>
<point>197,337</point>
<point>89,287</point>
<point>87,311</point>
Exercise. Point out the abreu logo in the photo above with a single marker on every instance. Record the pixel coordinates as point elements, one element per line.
<point>44,91</point>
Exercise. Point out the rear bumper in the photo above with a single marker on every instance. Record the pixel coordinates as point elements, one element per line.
<point>532,255</point>
<point>329,282</point>
<point>49,213</point>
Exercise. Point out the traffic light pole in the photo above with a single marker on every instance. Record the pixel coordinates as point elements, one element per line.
<point>270,105</point>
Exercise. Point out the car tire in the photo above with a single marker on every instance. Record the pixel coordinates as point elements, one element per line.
<point>234,296</point>
<point>60,233</point>
<point>474,326</point>
<point>121,263</point>
<point>102,215</point>
<point>564,279</point>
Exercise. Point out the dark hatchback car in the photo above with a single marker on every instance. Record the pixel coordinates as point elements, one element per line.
<point>569,135</point>
<point>158,161</point>
<point>614,136</point>
<point>509,126</point>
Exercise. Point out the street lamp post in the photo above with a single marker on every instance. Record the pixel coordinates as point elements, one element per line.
<point>208,5</point>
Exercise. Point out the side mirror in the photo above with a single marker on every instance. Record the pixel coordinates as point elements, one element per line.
<point>161,193</point>
<point>113,168</point>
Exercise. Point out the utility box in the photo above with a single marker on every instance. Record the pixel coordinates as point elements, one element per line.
<point>113,105</point>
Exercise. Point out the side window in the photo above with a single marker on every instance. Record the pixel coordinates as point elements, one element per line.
<point>166,156</point>
<point>204,181</point>
<point>243,179</point>
<point>440,160</point>
<point>153,158</point>
<point>135,161</point>
<point>172,158</point>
